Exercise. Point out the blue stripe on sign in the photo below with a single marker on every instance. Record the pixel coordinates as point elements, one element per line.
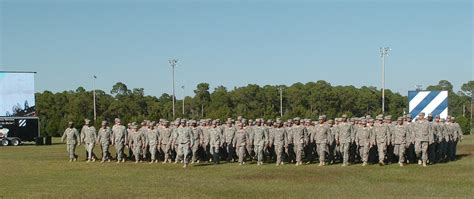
<point>424,103</point>
<point>441,107</point>
<point>411,95</point>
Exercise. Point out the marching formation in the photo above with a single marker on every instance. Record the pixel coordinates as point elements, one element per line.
<point>342,140</point>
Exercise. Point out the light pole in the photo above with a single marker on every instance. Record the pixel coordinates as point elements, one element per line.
<point>281,101</point>
<point>93,93</point>
<point>173,63</point>
<point>184,96</point>
<point>383,54</point>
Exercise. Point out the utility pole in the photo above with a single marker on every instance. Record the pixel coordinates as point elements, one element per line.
<point>184,96</point>
<point>470,120</point>
<point>93,93</point>
<point>383,54</point>
<point>173,63</point>
<point>281,101</point>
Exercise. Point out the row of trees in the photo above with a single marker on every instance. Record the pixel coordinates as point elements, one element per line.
<point>303,100</point>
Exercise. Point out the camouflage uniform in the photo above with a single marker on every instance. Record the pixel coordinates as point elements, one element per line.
<point>71,136</point>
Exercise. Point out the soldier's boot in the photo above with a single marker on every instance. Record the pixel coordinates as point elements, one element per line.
<point>185,165</point>
<point>320,164</point>
<point>381,163</point>
<point>123,160</point>
<point>364,164</point>
<point>419,162</point>
<point>118,161</point>
<point>424,163</point>
<point>74,160</point>
<point>70,160</point>
<point>401,164</point>
<point>164,162</point>
<point>344,164</point>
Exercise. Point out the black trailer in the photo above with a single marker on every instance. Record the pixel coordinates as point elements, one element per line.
<point>15,130</point>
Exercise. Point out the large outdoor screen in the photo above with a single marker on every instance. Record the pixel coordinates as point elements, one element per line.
<point>17,94</point>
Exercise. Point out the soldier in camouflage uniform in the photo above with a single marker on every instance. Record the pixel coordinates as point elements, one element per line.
<point>381,139</point>
<point>410,146</point>
<point>289,148</point>
<point>364,139</point>
<point>443,138</point>
<point>229,133</point>
<point>104,138</point>
<point>71,136</point>
<point>260,140</point>
<point>400,132</point>
<point>344,139</point>
<point>197,135</point>
<point>205,140</point>
<point>456,135</point>
<point>239,142</point>
<point>152,140</point>
<point>423,137</point>
<point>250,148</point>
<point>298,138</point>
<point>165,141</point>
<point>215,141</point>
<point>279,140</point>
<point>88,138</point>
<point>119,139</point>
<point>332,142</point>
<point>320,137</point>
<point>184,140</point>
<point>136,141</point>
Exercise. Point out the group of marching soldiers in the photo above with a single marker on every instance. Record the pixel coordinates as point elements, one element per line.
<point>348,140</point>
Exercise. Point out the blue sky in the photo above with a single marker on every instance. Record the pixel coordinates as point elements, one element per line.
<point>235,43</point>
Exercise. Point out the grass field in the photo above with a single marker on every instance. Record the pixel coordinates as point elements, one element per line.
<point>44,172</point>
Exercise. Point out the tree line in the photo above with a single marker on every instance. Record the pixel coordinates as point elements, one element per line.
<point>252,101</point>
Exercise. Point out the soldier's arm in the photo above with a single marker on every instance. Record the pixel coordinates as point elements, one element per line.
<point>191,135</point>
<point>63,138</point>
<point>77,135</point>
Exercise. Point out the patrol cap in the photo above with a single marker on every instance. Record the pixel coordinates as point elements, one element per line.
<point>408,116</point>
<point>422,114</point>
<point>330,121</point>
<point>152,123</point>
<point>371,120</point>
<point>363,121</point>
<point>388,117</point>
<point>87,121</point>
<point>400,119</point>
<point>70,122</point>
<point>430,114</point>
<point>117,120</point>
<point>320,117</point>
<point>344,116</point>
<point>296,119</point>
<point>214,121</point>
<point>104,122</point>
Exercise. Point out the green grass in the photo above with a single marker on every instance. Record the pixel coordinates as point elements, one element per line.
<point>44,172</point>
